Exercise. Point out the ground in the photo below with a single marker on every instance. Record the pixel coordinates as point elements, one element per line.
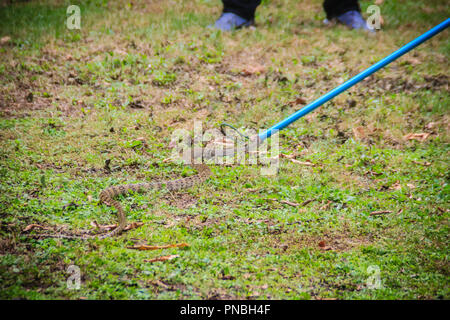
<point>362,190</point>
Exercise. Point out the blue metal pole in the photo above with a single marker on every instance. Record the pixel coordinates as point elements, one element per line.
<point>349,83</point>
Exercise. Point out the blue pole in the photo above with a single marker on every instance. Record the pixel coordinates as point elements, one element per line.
<point>349,83</point>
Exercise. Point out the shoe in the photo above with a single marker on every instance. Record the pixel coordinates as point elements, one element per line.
<point>329,23</point>
<point>229,21</point>
<point>354,20</point>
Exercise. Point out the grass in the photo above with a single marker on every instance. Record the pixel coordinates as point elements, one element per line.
<point>118,88</point>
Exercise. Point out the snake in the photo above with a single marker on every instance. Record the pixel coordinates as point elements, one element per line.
<point>108,195</point>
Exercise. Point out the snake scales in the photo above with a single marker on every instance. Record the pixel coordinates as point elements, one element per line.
<point>107,197</point>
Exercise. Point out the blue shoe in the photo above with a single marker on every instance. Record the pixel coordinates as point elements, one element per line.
<point>229,21</point>
<point>354,20</point>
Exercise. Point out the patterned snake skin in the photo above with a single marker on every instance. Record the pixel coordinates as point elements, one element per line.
<point>107,197</point>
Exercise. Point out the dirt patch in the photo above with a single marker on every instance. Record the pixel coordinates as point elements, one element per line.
<point>399,84</point>
<point>201,222</point>
<point>17,102</point>
<point>9,246</point>
<point>20,102</point>
<point>180,200</point>
<point>51,166</point>
<point>167,286</point>
<point>191,222</point>
<point>220,294</point>
<point>335,241</point>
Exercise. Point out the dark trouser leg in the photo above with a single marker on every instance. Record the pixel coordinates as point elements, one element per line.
<point>243,8</point>
<point>334,8</point>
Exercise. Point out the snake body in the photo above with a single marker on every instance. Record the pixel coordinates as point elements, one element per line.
<point>107,197</point>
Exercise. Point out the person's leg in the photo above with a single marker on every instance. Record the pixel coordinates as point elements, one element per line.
<point>334,8</point>
<point>237,14</point>
<point>243,8</point>
<point>347,12</point>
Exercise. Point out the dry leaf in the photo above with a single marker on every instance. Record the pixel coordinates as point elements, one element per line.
<point>147,247</point>
<point>33,226</point>
<point>417,136</point>
<point>171,224</point>
<point>431,125</point>
<point>297,101</point>
<point>294,204</point>
<point>163,258</point>
<point>160,283</point>
<point>373,173</point>
<point>95,224</point>
<point>326,206</point>
<point>413,61</point>
<point>5,40</point>
<point>376,213</point>
<point>133,225</point>
<point>310,164</point>
<point>442,210</point>
<point>255,69</point>
<point>396,186</point>
<point>108,227</point>
<point>307,202</point>
<point>120,52</point>
<point>323,246</point>
<point>105,226</point>
<point>426,164</point>
<point>311,117</point>
<point>288,156</point>
<point>359,133</point>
